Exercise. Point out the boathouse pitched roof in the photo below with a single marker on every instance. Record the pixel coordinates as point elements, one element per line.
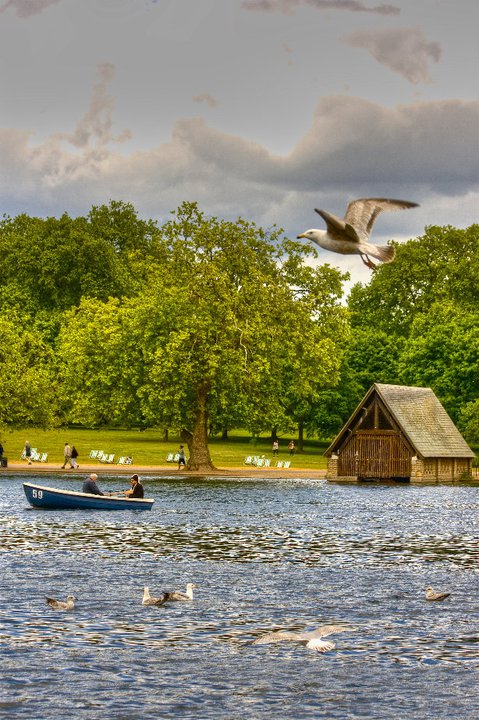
<point>420,417</point>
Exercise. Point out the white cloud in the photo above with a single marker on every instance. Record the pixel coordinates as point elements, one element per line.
<point>403,50</point>
<point>354,148</point>
<point>206,98</point>
<point>287,6</point>
<point>26,8</point>
<point>96,125</point>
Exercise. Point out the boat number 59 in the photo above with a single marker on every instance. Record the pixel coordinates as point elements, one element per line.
<point>38,494</point>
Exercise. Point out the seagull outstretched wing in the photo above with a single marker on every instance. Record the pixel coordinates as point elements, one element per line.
<point>361,214</point>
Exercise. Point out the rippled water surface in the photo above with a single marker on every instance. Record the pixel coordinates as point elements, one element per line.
<point>264,555</point>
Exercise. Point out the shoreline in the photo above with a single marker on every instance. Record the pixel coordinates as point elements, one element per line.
<point>21,468</point>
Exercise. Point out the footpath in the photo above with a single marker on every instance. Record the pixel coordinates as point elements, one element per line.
<point>245,471</point>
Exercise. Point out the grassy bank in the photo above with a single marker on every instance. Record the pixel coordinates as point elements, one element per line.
<point>148,447</point>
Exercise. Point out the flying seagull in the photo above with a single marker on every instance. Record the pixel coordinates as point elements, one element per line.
<point>433,595</point>
<point>350,235</point>
<point>60,605</point>
<point>311,639</point>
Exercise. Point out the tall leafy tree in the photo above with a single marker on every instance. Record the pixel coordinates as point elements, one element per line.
<point>51,264</point>
<point>441,265</point>
<point>211,336</point>
<point>231,295</point>
<point>442,352</point>
<point>26,374</point>
<point>101,364</point>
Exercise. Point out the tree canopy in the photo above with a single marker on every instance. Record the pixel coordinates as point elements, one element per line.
<point>222,329</point>
<point>201,324</point>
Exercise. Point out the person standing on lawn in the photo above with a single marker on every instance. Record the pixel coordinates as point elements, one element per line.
<point>67,456</point>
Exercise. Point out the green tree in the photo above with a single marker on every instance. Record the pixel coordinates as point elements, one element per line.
<point>101,364</point>
<point>208,340</point>
<point>26,375</point>
<point>230,295</point>
<point>51,264</point>
<point>441,265</point>
<point>442,352</point>
<point>313,364</point>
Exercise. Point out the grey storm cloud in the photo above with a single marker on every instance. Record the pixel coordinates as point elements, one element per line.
<point>352,146</point>
<point>288,6</point>
<point>27,8</point>
<point>403,50</point>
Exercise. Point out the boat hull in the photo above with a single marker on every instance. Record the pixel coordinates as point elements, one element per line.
<point>50,498</point>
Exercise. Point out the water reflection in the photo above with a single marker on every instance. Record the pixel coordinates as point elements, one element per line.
<point>242,543</point>
<point>264,555</point>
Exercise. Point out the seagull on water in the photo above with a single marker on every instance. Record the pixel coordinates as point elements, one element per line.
<point>350,235</point>
<point>311,639</point>
<point>60,604</point>
<point>433,595</point>
<point>149,600</point>
<point>171,596</point>
<point>177,595</point>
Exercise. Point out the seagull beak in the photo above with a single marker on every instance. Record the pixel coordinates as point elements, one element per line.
<point>298,237</point>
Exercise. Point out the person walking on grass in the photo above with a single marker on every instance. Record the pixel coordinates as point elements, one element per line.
<point>28,452</point>
<point>74,457</point>
<point>67,456</point>
<point>181,457</point>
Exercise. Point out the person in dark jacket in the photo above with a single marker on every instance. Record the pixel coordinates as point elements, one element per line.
<point>136,490</point>
<point>74,461</point>
<point>90,486</point>
<point>28,452</point>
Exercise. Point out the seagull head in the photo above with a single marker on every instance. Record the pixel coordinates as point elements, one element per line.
<point>307,235</point>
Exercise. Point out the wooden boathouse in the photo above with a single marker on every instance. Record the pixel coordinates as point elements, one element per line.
<point>399,433</point>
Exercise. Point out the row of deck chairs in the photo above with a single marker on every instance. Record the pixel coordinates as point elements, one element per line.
<point>265,462</point>
<point>109,459</point>
<point>35,456</point>
<point>173,457</point>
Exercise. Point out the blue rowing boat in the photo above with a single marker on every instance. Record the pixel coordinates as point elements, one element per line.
<point>57,499</point>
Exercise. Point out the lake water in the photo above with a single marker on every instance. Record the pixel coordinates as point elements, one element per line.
<point>264,554</point>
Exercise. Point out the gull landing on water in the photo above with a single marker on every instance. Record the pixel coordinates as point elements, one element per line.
<point>311,639</point>
<point>60,604</point>
<point>433,595</point>
<point>350,235</point>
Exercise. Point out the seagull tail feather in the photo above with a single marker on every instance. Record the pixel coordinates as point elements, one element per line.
<point>384,253</point>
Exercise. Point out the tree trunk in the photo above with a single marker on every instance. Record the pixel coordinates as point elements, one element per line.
<point>300,436</point>
<point>224,434</point>
<point>197,440</point>
<point>274,434</point>
<point>165,435</point>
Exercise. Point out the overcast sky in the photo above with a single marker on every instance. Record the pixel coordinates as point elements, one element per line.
<point>263,109</point>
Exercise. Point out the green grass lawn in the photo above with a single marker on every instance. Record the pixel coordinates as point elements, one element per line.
<point>148,447</point>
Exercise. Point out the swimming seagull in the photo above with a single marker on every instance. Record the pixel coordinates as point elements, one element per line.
<point>60,605</point>
<point>177,595</point>
<point>311,639</point>
<point>172,596</point>
<point>350,235</point>
<point>149,600</point>
<point>433,595</point>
